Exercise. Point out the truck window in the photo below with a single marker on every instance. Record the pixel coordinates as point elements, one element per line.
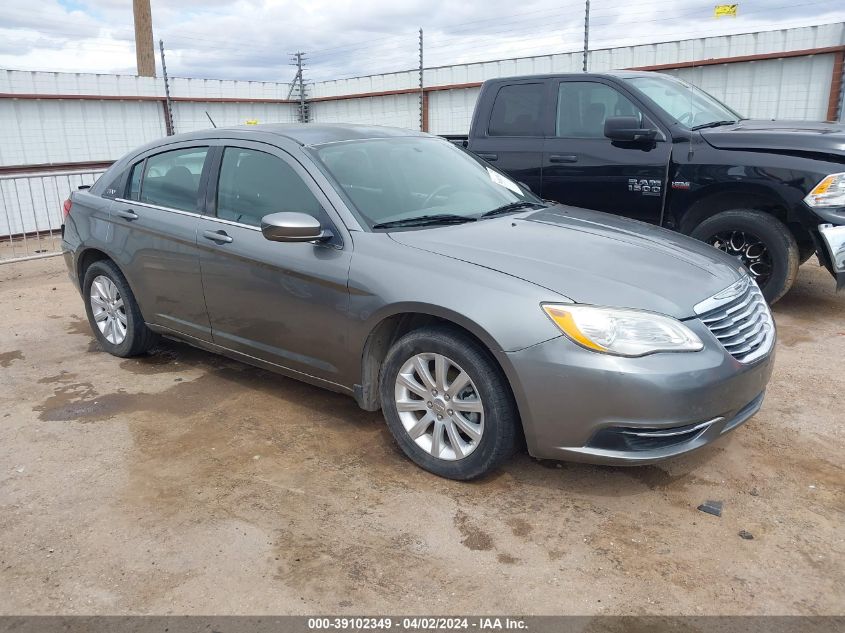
<point>583,106</point>
<point>516,111</point>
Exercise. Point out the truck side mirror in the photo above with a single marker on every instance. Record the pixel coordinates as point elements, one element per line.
<point>627,128</point>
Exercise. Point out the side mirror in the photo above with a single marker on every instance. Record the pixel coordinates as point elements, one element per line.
<point>627,128</point>
<point>293,227</point>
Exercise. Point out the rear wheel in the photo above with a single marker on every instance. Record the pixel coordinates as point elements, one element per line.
<point>763,244</point>
<point>113,312</point>
<point>447,404</point>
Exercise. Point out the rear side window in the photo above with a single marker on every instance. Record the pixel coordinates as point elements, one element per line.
<point>135,181</point>
<point>253,184</point>
<point>172,179</point>
<point>516,111</point>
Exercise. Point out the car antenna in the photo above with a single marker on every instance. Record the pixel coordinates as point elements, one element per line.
<point>692,98</point>
<point>210,119</point>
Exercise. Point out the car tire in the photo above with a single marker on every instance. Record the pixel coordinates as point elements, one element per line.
<point>743,232</point>
<point>113,312</point>
<point>485,437</point>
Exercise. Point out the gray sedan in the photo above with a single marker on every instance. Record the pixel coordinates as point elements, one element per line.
<point>397,268</point>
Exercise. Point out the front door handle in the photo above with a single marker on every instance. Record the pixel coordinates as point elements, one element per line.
<point>487,156</point>
<point>563,158</point>
<point>126,214</point>
<point>217,236</point>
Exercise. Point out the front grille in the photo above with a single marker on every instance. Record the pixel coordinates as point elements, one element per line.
<point>740,319</point>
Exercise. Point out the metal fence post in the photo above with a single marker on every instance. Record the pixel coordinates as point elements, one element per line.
<point>168,105</point>
<point>586,32</point>
<point>423,104</point>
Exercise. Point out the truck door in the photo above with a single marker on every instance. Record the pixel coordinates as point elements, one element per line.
<point>583,168</point>
<point>512,138</point>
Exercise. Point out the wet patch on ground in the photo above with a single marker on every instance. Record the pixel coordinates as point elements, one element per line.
<point>7,358</point>
<point>78,325</point>
<point>473,537</point>
<point>791,335</point>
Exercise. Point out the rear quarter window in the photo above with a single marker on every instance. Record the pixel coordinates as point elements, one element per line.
<point>114,186</point>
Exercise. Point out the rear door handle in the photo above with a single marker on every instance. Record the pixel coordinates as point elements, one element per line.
<point>126,214</point>
<point>563,158</point>
<point>217,236</point>
<point>487,156</point>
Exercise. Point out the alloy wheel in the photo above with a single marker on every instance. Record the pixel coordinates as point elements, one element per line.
<point>751,251</point>
<point>439,406</point>
<point>108,309</point>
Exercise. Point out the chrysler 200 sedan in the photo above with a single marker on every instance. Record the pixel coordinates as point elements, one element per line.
<point>392,266</point>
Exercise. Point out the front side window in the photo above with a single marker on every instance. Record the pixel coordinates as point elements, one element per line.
<point>583,107</point>
<point>517,110</point>
<point>253,184</point>
<point>399,180</point>
<point>172,179</point>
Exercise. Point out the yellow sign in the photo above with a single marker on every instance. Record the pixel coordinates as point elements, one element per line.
<point>726,10</point>
<point>252,121</point>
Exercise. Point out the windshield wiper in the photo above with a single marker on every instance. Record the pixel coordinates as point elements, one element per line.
<point>713,124</point>
<point>425,220</point>
<point>511,207</point>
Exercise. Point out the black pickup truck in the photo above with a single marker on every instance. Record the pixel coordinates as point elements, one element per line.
<point>657,149</point>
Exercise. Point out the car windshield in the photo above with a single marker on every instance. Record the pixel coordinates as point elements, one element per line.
<point>416,181</point>
<point>688,105</point>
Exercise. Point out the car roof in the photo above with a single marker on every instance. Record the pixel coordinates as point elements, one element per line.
<point>306,134</point>
<point>617,74</point>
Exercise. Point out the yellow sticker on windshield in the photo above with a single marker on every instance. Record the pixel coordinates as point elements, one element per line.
<point>252,121</point>
<point>726,10</point>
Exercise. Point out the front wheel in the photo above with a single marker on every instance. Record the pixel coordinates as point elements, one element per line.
<point>763,244</point>
<point>447,404</point>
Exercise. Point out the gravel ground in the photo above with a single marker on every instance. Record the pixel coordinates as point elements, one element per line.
<point>182,482</point>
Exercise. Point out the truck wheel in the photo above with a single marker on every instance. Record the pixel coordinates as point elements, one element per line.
<point>447,404</point>
<point>762,242</point>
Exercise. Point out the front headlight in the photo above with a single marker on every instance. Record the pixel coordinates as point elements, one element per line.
<point>622,332</point>
<point>830,192</point>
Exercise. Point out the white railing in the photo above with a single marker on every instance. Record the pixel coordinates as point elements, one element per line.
<point>31,211</point>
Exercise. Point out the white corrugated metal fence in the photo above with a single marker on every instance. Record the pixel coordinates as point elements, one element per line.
<point>66,119</point>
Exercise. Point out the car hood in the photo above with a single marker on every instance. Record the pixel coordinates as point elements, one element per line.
<point>785,136</point>
<point>589,257</point>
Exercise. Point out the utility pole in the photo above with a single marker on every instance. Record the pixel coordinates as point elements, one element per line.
<point>168,104</point>
<point>144,47</point>
<point>423,104</point>
<point>586,32</point>
<point>298,85</point>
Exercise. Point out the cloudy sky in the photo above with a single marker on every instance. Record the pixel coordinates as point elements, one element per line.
<point>253,39</point>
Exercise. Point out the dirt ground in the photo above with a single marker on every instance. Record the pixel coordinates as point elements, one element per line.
<point>182,482</point>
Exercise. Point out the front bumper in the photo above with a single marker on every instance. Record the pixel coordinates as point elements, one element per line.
<point>833,238</point>
<point>577,405</point>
